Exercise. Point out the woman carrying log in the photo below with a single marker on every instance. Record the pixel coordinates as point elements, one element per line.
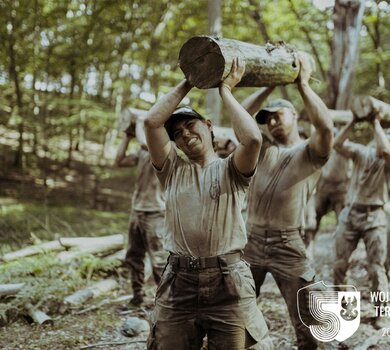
<point>206,288</point>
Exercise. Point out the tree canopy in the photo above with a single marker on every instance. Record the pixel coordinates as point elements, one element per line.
<point>68,67</point>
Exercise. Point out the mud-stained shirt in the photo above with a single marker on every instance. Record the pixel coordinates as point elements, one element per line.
<point>148,194</point>
<point>334,175</point>
<point>203,206</point>
<point>369,176</point>
<point>282,186</point>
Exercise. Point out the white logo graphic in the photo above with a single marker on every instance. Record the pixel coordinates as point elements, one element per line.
<point>334,312</point>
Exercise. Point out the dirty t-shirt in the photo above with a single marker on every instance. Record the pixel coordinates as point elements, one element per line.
<point>334,175</point>
<point>203,206</point>
<point>282,186</point>
<point>369,176</point>
<point>148,194</point>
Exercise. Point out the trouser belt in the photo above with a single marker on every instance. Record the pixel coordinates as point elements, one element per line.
<point>198,263</point>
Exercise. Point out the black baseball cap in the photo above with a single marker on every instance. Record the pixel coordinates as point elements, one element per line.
<point>180,113</point>
<point>271,107</point>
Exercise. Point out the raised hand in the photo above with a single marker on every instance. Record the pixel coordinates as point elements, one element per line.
<point>235,74</point>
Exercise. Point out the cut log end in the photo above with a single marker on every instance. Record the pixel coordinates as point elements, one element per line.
<point>202,62</point>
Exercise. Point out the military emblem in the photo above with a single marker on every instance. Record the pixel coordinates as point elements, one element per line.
<point>335,311</point>
<point>215,189</point>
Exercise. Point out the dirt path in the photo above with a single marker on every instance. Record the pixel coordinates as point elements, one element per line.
<point>72,331</point>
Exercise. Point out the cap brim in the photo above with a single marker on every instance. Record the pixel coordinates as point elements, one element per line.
<point>261,117</point>
<point>174,118</point>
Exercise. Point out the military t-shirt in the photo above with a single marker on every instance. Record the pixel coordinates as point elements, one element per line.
<point>282,186</point>
<point>369,176</point>
<point>148,194</point>
<point>203,206</point>
<point>334,175</point>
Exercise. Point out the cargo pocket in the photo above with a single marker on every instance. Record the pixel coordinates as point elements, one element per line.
<point>257,334</point>
<point>166,280</point>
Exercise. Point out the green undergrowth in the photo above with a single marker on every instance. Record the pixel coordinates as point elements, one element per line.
<point>24,223</point>
<point>48,281</point>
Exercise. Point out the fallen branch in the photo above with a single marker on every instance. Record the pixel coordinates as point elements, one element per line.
<point>38,316</point>
<point>10,289</point>
<point>33,250</point>
<point>113,343</point>
<point>93,291</point>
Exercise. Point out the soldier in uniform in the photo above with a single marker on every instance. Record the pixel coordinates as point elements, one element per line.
<point>146,225</point>
<point>288,170</point>
<point>364,216</point>
<point>207,288</point>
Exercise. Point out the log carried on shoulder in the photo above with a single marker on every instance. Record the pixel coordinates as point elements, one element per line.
<point>366,107</point>
<point>206,61</point>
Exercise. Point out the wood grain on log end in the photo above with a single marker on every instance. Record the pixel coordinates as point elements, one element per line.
<point>202,62</point>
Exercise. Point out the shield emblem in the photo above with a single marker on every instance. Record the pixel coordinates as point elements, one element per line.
<point>334,310</point>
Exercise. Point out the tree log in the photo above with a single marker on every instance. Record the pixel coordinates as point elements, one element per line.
<point>341,116</point>
<point>33,250</point>
<point>129,116</point>
<point>10,289</point>
<point>206,61</point>
<point>70,242</point>
<point>92,291</point>
<point>366,107</point>
<point>38,316</point>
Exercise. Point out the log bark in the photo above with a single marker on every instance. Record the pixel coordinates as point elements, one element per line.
<point>33,250</point>
<point>206,61</point>
<point>70,242</point>
<point>10,289</point>
<point>366,107</point>
<point>92,291</point>
<point>38,316</point>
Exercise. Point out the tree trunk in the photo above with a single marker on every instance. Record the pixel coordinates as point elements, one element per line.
<point>206,61</point>
<point>257,17</point>
<point>348,15</point>
<point>13,72</point>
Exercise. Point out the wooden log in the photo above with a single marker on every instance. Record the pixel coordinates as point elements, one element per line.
<point>70,242</point>
<point>10,289</point>
<point>90,292</point>
<point>129,117</point>
<point>341,116</point>
<point>366,107</point>
<point>38,316</point>
<point>206,61</point>
<point>33,250</point>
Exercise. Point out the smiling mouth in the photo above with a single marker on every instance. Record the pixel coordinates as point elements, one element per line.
<point>191,142</point>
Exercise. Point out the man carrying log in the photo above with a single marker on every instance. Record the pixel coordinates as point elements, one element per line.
<point>146,225</point>
<point>330,194</point>
<point>206,289</point>
<point>288,170</point>
<point>364,216</point>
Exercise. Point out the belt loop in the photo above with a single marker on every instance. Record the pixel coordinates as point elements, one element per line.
<point>223,265</point>
<point>174,261</point>
<point>283,235</point>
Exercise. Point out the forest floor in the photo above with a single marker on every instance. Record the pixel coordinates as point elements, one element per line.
<point>97,324</point>
<point>101,328</point>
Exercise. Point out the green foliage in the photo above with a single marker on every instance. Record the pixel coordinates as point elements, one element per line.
<point>19,222</point>
<point>48,281</point>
